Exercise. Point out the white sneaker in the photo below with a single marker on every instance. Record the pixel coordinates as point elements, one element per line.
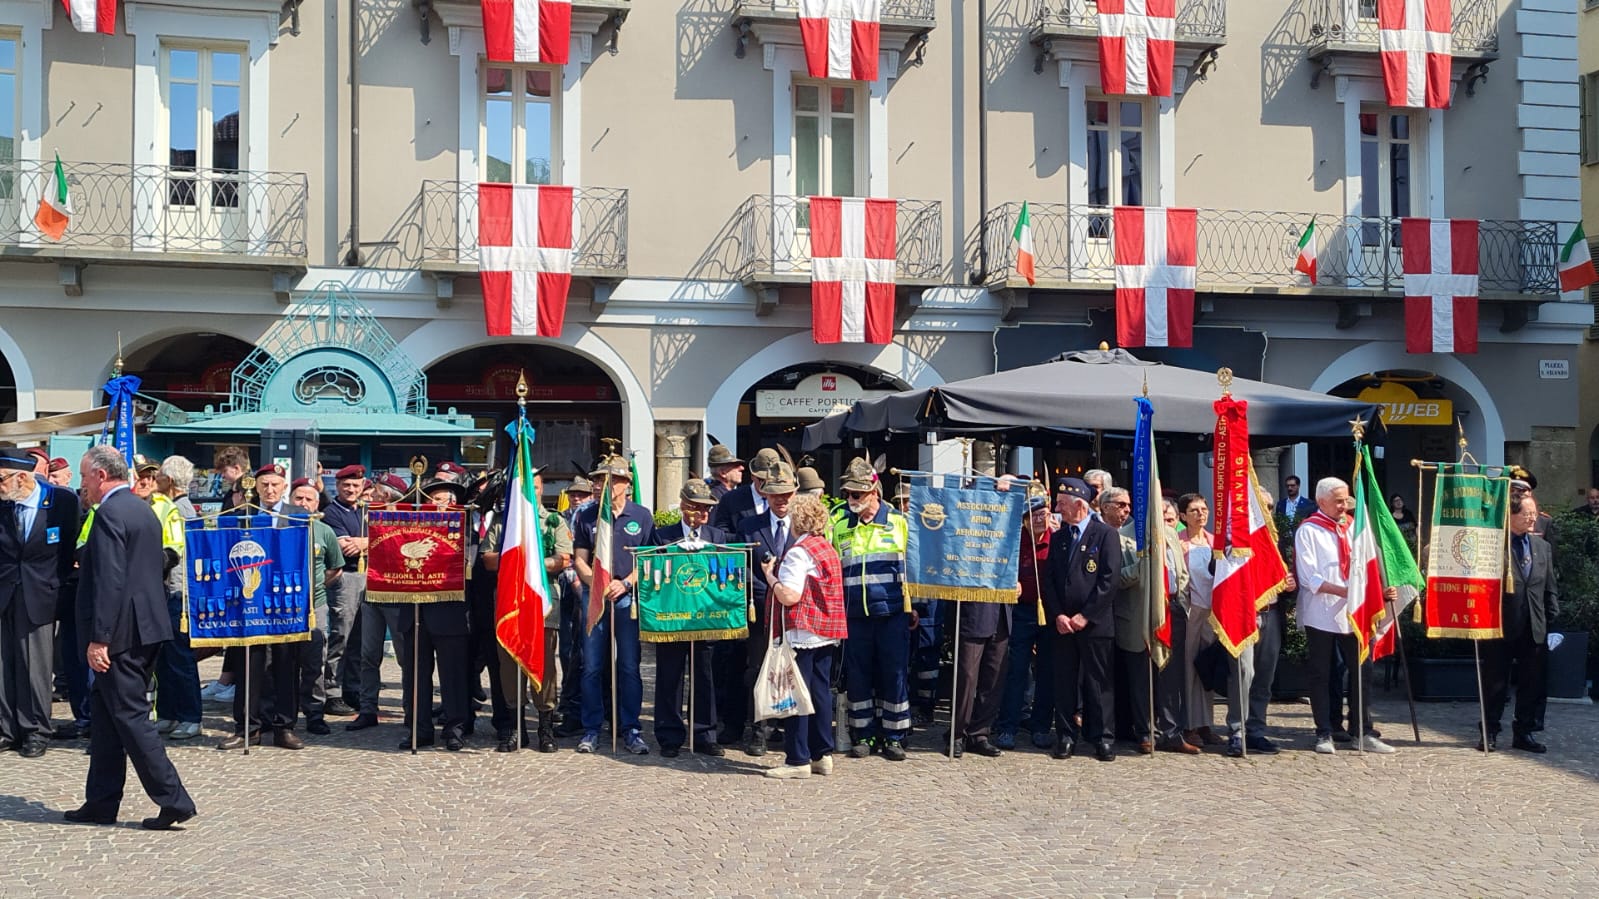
<point>1369,743</point>
<point>823,766</point>
<point>186,731</point>
<point>789,772</point>
<point>1325,746</point>
<point>164,726</point>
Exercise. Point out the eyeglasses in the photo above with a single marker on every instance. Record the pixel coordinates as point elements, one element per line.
<point>1122,503</point>
<point>857,494</point>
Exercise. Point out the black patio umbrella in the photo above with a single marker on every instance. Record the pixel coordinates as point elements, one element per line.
<point>1092,391</point>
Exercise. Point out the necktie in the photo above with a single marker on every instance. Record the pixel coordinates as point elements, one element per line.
<point>782,534</point>
<point>1524,556</point>
<point>694,534</point>
<point>1074,533</point>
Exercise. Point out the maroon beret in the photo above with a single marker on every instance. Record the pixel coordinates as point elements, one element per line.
<point>350,472</point>
<point>305,482</point>
<point>59,464</point>
<point>265,470</point>
<point>395,483</point>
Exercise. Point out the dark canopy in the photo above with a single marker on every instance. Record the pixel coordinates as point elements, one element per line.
<point>1093,391</point>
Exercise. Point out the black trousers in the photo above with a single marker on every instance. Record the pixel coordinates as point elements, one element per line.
<point>1089,658</point>
<point>1322,645</point>
<point>124,733</point>
<point>1171,693</point>
<point>671,666</point>
<point>1529,657</point>
<point>452,655</point>
<point>982,684</point>
<point>274,673</point>
<point>1135,675</point>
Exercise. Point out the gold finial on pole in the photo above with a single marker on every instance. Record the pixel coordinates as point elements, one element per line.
<point>116,364</point>
<point>521,389</point>
<point>247,487</point>
<point>1146,383</point>
<point>1104,347</point>
<point>611,444</point>
<point>1224,376</point>
<point>1357,426</point>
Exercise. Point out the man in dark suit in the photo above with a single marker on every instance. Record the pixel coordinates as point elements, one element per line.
<point>38,527</point>
<point>982,655</point>
<point>672,659</point>
<point>772,535</point>
<point>122,615</point>
<point>1528,611</point>
<point>745,500</point>
<point>1296,507</point>
<point>1085,560</point>
<point>443,636</point>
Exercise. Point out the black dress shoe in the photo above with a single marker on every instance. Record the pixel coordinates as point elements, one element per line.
<point>1528,743</point>
<point>709,748</point>
<point>670,752</point>
<point>1492,743</point>
<point>338,708</point>
<point>166,819</point>
<point>6,745</point>
<point>421,742</point>
<point>284,738</point>
<point>362,722</point>
<point>1064,747</point>
<point>318,726</point>
<point>985,747</point>
<point>1105,753</point>
<point>507,744</point>
<point>34,747</point>
<point>69,732</point>
<point>453,743</point>
<point>237,741</point>
<point>957,750</point>
<point>86,815</point>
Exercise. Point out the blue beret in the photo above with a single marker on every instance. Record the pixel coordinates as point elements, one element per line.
<point>1034,503</point>
<point>1076,487</point>
<point>16,463</point>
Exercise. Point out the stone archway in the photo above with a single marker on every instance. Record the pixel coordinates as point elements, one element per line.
<point>16,382</point>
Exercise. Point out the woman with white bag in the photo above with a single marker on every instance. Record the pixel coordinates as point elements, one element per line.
<point>809,584</point>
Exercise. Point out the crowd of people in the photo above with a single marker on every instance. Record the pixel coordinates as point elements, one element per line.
<point>1069,664</point>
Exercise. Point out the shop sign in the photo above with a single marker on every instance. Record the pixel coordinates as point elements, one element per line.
<point>817,396</point>
<point>1401,407</point>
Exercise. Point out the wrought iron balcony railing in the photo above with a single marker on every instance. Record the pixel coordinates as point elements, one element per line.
<point>892,9</point>
<point>1352,25</point>
<point>775,240</point>
<point>120,209</point>
<point>1197,20</point>
<point>1241,250</point>
<point>449,228</point>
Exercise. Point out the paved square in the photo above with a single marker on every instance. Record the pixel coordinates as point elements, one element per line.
<point>351,816</point>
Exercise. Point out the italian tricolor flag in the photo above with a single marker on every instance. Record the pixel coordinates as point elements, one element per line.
<point>1024,244</point>
<point>1306,261</point>
<point>1576,263</point>
<point>604,555</point>
<point>522,594</point>
<point>55,210</point>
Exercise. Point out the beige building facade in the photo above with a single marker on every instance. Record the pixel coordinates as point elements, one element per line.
<point>231,157</point>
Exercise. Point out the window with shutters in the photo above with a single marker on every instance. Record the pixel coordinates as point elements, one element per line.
<point>10,103</point>
<point>202,93</point>
<point>1119,166</point>
<point>519,132</point>
<point>829,142</point>
<point>1588,86</point>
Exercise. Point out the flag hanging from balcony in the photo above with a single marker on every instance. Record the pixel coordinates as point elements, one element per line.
<point>852,269</point>
<point>1305,262</point>
<point>527,30</point>
<point>1415,38</point>
<point>1154,249</point>
<point>1024,244</point>
<point>1576,262</point>
<point>92,15</point>
<point>840,37</point>
<point>1136,49</point>
<point>55,208</point>
<point>525,235</point>
<point>1440,262</point>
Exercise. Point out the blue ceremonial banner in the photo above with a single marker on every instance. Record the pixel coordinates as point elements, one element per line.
<point>1144,476</point>
<point>964,539</point>
<point>118,430</point>
<point>248,582</point>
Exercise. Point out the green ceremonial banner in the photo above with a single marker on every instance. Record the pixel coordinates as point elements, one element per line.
<point>1466,559</point>
<point>688,594</point>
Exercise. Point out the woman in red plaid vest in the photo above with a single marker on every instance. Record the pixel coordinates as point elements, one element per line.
<point>809,583</point>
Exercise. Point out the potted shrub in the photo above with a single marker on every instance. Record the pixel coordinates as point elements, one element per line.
<point>1574,664</point>
<point>1293,673</point>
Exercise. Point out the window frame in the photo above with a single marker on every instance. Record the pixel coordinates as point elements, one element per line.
<point>824,115</point>
<point>1588,116</point>
<point>1099,225</point>
<point>1415,140</point>
<point>519,102</point>
<point>203,85</point>
<point>9,166</point>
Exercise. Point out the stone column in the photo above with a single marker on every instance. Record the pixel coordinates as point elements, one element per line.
<point>983,458</point>
<point>1268,470</point>
<point>673,449</point>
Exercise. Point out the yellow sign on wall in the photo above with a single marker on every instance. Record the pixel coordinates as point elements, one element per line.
<point>1401,407</point>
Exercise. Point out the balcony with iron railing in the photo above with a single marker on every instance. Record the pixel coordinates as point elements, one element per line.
<point>158,214</point>
<point>772,234</point>
<point>449,230</point>
<point>903,28</point>
<point>1253,252</point>
<point>1350,26</point>
<point>1201,22</point>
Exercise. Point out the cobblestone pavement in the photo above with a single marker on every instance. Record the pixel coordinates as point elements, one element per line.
<point>350,816</point>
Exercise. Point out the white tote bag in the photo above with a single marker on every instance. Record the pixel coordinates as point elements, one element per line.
<point>780,692</point>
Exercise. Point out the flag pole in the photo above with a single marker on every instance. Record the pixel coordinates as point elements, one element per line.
<point>692,646</point>
<point>1410,692</point>
<point>1476,643</point>
<point>416,682</point>
<point>247,703</point>
<point>1357,669</point>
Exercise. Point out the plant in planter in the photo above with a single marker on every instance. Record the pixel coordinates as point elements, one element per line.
<point>1575,537</point>
<point>1293,679</point>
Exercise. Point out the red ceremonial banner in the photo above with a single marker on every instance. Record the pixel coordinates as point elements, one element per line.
<point>1231,461</point>
<point>417,554</point>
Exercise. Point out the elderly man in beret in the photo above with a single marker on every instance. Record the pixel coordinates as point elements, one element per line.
<point>695,501</point>
<point>59,472</point>
<point>745,501</point>
<point>727,471</point>
<point>341,668</point>
<point>1085,562</point>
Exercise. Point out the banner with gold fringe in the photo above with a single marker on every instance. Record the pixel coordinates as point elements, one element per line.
<point>687,594</point>
<point>964,538</point>
<point>247,580</point>
<point>1466,558</point>
<point>416,554</point>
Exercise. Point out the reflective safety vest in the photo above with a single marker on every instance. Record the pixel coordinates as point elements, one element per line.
<point>171,518</point>
<point>872,554</point>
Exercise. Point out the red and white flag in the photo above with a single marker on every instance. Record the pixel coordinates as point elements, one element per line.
<point>1248,575</point>
<point>527,30</point>
<point>1416,43</point>
<point>852,270</point>
<point>92,15</point>
<point>604,556</point>
<point>1154,249</point>
<point>525,236</point>
<point>841,37</point>
<point>1440,261</point>
<point>1136,46</point>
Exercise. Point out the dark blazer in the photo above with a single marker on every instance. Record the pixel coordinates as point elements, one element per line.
<point>733,508</point>
<point>1070,587</point>
<point>674,532</point>
<point>1531,608</point>
<point>34,567</point>
<point>985,620</point>
<point>122,597</point>
<point>757,529</point>
<point>1299,509</point>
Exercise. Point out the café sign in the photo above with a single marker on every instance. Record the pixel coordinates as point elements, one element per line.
<point>817,396</point>
<point>1402,408</point>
